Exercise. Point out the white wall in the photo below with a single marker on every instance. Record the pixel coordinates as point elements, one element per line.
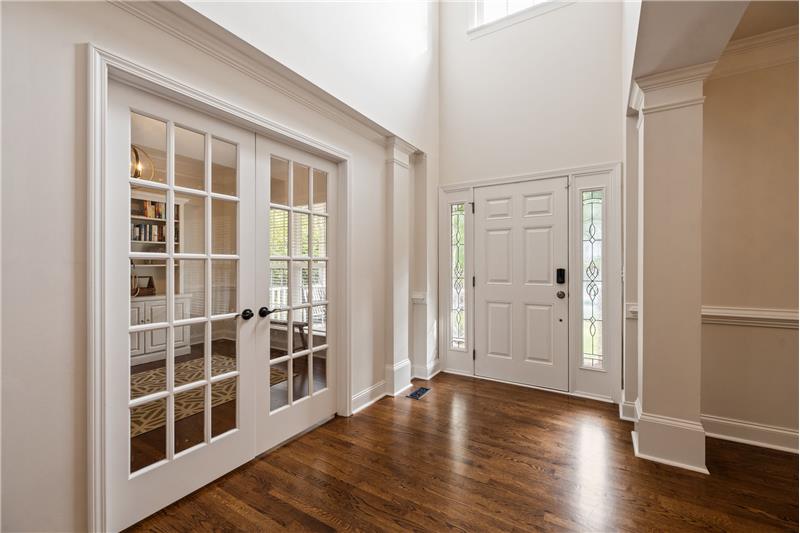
<point>539,95</point>
<point>44,264</point>
<point>381,58</point>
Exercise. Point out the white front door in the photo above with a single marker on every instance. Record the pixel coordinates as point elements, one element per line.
<point>295,250</point>
<point>180,253</point>
<point>521,309</point>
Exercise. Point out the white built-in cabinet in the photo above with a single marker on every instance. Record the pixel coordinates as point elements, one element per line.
<point>151,345</point>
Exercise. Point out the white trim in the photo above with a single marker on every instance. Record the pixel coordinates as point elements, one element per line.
<point>750,316</point>
<point>678,76</point>
<point>101,66</point>
<point>760,317</point>
<point>368,396</point>
<point>745,432</point>
<point>673,105</point>
<point>534,11</point>
<point>469,184</point>
<point>426,372</point>
<point>669,462</point>
<point>672,441</point>
<point>400,373</point>
<point>627,411</point>
<point>770,49</point>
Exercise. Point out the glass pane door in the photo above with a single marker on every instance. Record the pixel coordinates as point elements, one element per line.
<point>180,270</point>
<point>297,211</point>
<point>298,222</point>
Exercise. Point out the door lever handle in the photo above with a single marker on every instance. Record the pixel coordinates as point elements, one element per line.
<point>247,314</point>
<point>265,311</point>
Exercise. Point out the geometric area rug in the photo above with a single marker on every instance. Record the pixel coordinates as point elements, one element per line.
<point>153,415</point>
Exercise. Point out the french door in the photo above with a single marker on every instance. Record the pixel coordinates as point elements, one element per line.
<point>294,225</point>
<point>216,331</point>
<point>521,285</point>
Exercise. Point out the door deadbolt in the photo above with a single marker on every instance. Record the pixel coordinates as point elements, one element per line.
<point>561,295</point>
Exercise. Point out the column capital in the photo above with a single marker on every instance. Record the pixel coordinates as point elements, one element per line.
<point>399,151</point>
<point>673,89</point>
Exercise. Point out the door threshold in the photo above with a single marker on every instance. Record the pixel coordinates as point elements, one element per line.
<point>584,395</point>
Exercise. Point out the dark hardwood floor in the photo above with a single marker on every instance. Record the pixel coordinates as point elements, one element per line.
<point>477,455</point>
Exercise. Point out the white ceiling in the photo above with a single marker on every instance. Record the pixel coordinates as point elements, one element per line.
<point>679,34</point>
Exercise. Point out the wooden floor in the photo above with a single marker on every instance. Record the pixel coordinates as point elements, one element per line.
<point>476,456</point>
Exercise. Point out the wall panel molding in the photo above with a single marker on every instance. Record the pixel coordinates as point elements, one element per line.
<point>739,316</point>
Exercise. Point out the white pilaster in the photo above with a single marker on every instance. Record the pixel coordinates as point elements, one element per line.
<point>668,427</point>
<point>398,248</point>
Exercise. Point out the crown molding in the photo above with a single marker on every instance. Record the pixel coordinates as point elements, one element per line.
<point>761,40</point>
<point>738,316</point>
<point>770,49</point>
<point>678,76</point>
<point>189,26</point>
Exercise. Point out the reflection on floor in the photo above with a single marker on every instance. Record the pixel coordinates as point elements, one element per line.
<point>476,455</point>
<point>147,422</point>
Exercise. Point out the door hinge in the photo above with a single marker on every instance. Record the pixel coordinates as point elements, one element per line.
<point>473,354</point>
<point>473,281</point>
<point>472,205</point>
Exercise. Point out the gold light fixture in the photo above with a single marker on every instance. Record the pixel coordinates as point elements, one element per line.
<point>137,166</point>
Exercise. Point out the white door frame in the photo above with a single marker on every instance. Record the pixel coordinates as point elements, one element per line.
<point>581,380</point>
<point>102,66</point>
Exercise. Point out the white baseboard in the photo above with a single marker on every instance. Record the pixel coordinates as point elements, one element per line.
<point>368,396</point>
<point>398,377</point>
<point>627,411</point>
<point>671,441</point>
<point>774,437</point>
<point>426,372</point>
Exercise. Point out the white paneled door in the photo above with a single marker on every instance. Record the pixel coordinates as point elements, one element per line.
<point>218,341</point>
<point>521,285</point>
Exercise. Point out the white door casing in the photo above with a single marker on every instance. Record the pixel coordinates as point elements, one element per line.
<point>521,325</point>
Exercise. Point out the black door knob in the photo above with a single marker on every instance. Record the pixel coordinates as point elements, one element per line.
<point>265,311</point>
<point>247,314</point>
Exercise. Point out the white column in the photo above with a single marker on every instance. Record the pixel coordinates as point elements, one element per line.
<point>669,212</point>
<point>398,250</point>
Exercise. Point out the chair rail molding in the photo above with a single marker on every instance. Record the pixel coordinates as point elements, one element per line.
<point>760,317</point>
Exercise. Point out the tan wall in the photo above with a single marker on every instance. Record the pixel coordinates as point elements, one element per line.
<point>750,210</point>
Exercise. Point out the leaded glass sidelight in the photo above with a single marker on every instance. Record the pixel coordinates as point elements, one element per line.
<point>592,271</point>
<point>457,277</point>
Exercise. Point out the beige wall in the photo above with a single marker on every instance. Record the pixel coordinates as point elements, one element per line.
<point>750,210</point>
